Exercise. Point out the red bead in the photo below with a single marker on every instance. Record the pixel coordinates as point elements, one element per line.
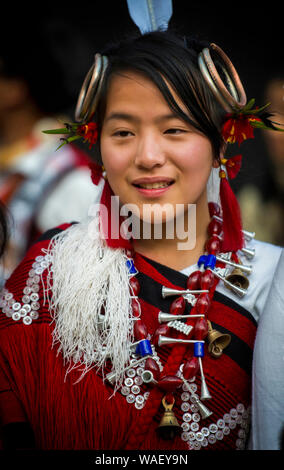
<point>135,308</point>
<point>169,398</point>
<point>135,285</point>
<point>161,330</point>
<point>214,227</point>
<point>193,281</point>
<point>139,330</point>
<point>203,304</point>
<point>178,306</point>
<point>214,209</point>
<point>153,367</point>
<point>213,245</point>
<point>169,383</point>
<point>207,280</point>
<point>201,329</point>
<point>190,368</point>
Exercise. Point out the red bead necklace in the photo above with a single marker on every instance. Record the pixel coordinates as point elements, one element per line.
<point>200,280</point>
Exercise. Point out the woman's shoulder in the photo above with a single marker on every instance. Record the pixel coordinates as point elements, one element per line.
<point>263,259</point>
<point>22,299</point>
<point>264,250</point>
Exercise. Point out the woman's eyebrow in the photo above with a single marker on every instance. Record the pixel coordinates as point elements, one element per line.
<point>121,115</point>
<point>132,118</point>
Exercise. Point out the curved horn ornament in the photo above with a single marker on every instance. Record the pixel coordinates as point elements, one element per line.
<point>167,317</point>
<point>231,95</point>
<point>243,267</point>
<point>167,291</point>
<point>248,252</point>
<point>165,340</point>
<point>90,91</point>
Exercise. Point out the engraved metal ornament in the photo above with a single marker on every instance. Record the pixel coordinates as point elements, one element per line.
<point>203,410</point>
<point>167,317</point>
<point>245,268</point>
<point>217,341</point>
<point>168,291</point>
<point>180,326</point>
<point>165,340</point>
<point>231,95</point>
<point>169,426</point>
<point>205,394</point>
<point>239,291</point>
<point>249,253</point>
<point>237,278</point>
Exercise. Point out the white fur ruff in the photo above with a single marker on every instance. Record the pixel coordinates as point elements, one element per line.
<point>82,286</point>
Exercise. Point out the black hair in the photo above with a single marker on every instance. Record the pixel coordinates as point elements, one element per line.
<point>160,56</point>
<point>4,228</point>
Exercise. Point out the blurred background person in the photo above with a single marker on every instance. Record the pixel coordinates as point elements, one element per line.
<point>40,187</point>
<point>263,208</point>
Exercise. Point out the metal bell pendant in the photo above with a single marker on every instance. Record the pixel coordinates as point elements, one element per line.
<point>237,278</point>
<point>168,427</point>
<point>217,341</point>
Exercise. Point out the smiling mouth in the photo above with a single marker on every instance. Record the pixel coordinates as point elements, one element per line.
<point>162,184</point>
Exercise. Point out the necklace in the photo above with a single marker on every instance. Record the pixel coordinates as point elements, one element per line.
<point>182,331</point>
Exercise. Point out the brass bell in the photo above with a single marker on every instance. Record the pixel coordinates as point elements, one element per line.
<point>168,427</point>
<point>237,278</point>
<point>217,341</point>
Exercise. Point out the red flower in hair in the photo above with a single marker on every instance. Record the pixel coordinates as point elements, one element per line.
<point>89,132</point>
<point>75,131</point>
<point>233,165</point>
<point>238,128</point>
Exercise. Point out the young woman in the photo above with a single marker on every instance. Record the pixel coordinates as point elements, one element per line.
<point>90,357</point>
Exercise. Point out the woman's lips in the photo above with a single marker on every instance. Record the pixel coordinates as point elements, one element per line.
<point>153,187</point>
<point>154,192</point>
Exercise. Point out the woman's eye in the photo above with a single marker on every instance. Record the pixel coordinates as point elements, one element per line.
<point>174,131</point>
<point>122,134</point>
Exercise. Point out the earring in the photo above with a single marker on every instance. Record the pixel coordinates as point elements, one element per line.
<point>104,173</point>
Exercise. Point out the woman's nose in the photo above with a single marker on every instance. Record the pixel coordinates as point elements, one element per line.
<point>149,152</point>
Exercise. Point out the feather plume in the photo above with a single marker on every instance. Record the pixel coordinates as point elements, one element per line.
<point>150,15</point>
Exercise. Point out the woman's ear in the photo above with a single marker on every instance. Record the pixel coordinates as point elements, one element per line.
<point>217,160</point>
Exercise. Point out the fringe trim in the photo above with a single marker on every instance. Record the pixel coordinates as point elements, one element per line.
<point>85,280</point>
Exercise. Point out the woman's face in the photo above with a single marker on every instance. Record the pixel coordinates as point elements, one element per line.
<point>150,155</point>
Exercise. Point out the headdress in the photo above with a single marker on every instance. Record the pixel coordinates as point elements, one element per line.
<point>240,119</point>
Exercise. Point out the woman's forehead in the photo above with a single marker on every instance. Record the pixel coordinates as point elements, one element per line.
<point>131,89</point>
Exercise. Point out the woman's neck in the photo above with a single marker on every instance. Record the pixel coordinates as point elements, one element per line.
<point>174,252</point>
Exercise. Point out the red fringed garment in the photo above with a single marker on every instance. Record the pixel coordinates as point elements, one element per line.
<point>35,388</point>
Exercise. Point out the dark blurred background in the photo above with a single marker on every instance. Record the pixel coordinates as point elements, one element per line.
<point>250,33</point>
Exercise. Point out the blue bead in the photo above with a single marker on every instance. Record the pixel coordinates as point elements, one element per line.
<point>131,267</point>
<point>198,349</point>
<point>202,260</point>
<point>210,262</point>
<point>144,348</point>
